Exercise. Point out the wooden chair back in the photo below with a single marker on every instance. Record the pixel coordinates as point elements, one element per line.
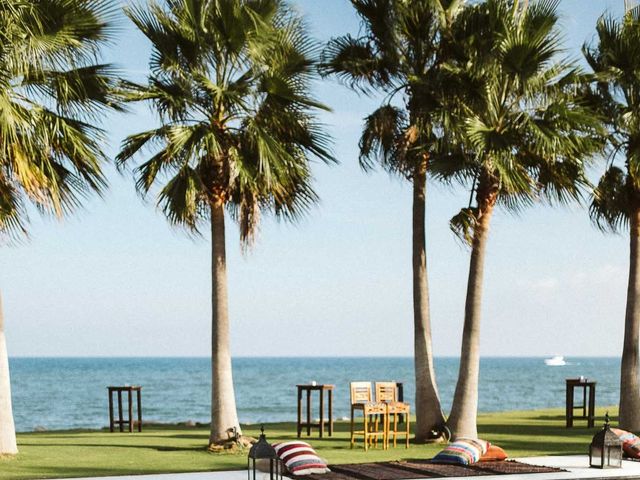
<point>386,392</point>
<point>360,392</point>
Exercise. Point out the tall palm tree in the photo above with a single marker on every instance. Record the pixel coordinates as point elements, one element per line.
<point>399,52</point>
<point>526,134</point>
<point>615,60</point>
<point>52,90</point>
<point>230,82</point>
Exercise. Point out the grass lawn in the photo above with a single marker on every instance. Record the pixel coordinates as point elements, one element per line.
<point>59,454</point>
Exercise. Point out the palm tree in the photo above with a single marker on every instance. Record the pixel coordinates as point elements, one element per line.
<point>51,90</point>
<point>399,52</point>
<point>526,134</point>
<point>230,82</point>
<point>615,60</point>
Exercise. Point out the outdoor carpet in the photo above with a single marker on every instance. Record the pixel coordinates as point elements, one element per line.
<point>410,469</point>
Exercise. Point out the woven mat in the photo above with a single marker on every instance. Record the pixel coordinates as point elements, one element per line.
<point>425,469</point>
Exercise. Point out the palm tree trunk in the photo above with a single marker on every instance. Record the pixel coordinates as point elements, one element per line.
<point>224,416</point>
<point>629,386</point>
<point>429,416</point>
<point>464,410</point>
<point>8,444</point>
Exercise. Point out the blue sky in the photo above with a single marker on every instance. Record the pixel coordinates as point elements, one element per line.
<point>115,279</point>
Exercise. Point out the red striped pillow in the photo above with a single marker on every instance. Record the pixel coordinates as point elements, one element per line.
<point>300,458</point>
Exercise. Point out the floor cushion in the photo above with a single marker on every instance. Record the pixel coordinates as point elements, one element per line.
<point>464,451</point>
<point>493,454</point>
<point>300,458</point>
<point>630,443</point>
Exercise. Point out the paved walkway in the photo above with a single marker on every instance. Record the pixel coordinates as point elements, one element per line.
<point>577,466</point>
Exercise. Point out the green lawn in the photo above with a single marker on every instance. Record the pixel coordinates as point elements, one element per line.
<point>173,449</point>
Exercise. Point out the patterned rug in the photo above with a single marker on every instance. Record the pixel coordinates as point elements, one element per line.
<point>410,469</point>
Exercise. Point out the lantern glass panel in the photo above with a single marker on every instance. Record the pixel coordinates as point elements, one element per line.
<point>614,457</point>
<point>605,450</point>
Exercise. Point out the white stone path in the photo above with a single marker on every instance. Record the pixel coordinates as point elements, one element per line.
<point>577,466</point>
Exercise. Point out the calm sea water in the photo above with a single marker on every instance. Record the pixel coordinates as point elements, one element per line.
<point>61,393</point>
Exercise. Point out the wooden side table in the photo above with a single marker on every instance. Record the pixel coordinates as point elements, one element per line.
<point>121,422</point>
<point>321,424</point>
<point>588,401</point>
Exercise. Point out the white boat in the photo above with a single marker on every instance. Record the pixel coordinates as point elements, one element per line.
<point>556,361</point>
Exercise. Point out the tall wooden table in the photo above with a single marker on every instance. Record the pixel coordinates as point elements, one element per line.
<point>588,401</point>
<point>129,389</point>
<point>321,424</point>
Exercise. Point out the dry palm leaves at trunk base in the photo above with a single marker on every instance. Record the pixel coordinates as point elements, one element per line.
<point>233,445</point>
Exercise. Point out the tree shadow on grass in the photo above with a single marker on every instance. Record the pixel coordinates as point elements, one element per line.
<point>535,430</point>
<point>159,448</point>
<point>72,472</point>
<point>132,436</point>
<point>182,449</point>
<point>204,438</point>
<point>549,417</point>
<point>562,417</point>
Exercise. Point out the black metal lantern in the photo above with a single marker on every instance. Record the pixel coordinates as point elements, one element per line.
<point>605,450</point>
<point>260,452</point>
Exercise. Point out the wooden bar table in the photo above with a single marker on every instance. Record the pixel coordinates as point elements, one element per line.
<point>322,422</point>
<point>121,422</point>
<point>588,401</point>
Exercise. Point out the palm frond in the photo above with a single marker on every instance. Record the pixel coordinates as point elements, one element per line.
<point>463,224</point>
<point>355,63</point>
<point>383,138</point>
<point>53,94</point>
<point>612,201</point>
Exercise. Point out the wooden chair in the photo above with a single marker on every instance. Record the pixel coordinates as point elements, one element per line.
<point>372,411</point>
<point>387,393</point>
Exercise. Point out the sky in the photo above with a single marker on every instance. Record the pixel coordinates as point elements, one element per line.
<point>115,279</point>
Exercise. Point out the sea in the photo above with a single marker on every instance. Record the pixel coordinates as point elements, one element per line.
<point>71,393</point>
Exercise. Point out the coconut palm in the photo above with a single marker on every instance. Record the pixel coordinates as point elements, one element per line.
<point>526,134</point>
<point>230,83</point>
<point>399,53</point>
<point>52,90</point>
<point>615,60</point>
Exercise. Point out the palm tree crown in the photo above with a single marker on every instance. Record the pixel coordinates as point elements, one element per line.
<point>52,91</point>
<point>525,129</point>
<point>615,60</point>
<point>230,81</point>
<point>400,52</point>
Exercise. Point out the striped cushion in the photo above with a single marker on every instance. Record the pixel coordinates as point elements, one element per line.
<point>630,442</point>
<point>300,458</point>
<point>464,451</point>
